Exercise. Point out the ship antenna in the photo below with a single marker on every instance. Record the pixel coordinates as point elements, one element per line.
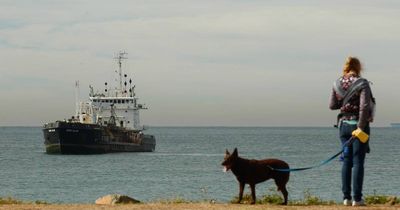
<point>120,57</point>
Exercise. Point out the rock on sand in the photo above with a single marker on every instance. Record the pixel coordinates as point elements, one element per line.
<point>116,199</point>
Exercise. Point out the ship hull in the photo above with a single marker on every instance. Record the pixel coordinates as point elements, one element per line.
<point>78,138</point>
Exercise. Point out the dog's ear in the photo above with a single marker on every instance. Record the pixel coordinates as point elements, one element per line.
<point>227,152</point>
<point>235,152</point>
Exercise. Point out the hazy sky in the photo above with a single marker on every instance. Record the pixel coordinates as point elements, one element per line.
<point>200,62</point>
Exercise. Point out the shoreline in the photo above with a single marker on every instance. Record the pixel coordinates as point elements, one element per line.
<point>183,206</point>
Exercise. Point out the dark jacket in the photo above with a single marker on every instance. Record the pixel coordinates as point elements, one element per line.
<point>358,107</point>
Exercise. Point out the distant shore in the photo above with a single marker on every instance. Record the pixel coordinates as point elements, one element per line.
<point>194,206</point>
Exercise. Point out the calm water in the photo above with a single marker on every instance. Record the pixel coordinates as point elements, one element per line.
<point>186,164</point>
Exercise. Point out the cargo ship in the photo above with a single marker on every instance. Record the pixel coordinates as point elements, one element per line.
<point>107,122</point>
<point>395,125</point>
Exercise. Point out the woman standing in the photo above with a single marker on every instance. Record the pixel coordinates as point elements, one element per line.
<point>352,95</point>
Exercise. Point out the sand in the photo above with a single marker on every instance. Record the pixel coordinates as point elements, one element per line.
<point>195,206</point>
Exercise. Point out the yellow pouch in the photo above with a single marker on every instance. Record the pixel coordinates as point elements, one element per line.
<point>361,135</point>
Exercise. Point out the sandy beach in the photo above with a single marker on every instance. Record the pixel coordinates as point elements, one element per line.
<point>196,206</point>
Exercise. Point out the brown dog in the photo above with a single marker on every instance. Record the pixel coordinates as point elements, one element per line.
<point>253,172</point>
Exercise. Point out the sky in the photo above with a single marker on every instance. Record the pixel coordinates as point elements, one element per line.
<point>197,63</point>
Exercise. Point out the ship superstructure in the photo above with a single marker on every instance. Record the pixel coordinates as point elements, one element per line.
<point>122,98</point>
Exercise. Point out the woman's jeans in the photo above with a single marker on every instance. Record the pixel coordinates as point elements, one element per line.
<point>353,162</point>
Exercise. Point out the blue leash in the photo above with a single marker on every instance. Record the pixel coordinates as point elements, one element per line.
<point>348,142</point>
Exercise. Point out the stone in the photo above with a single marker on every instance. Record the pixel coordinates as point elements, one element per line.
<point>113,199</point>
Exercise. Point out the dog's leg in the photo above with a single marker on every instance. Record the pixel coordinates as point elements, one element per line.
<point>281,184</point>
<point>285,195</point>
<point>253,193</point>
<point>241,188</point>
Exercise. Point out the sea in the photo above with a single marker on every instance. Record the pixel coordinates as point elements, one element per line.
<point>187,165</point>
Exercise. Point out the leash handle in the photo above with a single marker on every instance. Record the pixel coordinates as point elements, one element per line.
<point>361,135</point>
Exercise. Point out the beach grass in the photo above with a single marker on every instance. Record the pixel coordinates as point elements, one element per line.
<point>13,201</point>
<point>270,201</point>
<point>276,199</point>
<point>381,199</point>
<point>10,200</point>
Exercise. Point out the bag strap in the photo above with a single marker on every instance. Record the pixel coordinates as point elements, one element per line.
<point>357,85</point>
<point>338,88</point>
<point>354,88</point>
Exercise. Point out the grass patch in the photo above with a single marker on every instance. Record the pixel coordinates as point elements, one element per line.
<point>177,200</point>
<point>381,199</point>
<point>310,199</point>
<point>40,202</point>
<point>271,198</point>
<point>10,200</point>
<point>275,198</point>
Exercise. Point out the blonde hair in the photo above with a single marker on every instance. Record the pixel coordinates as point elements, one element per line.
<point>352,66</point>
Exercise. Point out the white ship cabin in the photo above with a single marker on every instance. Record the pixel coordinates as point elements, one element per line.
<point>118,102</point>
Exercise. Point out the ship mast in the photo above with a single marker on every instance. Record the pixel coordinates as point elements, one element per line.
<point>120,57</point>
<point>77,96</point>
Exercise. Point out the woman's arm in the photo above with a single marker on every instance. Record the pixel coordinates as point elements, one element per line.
<point>364,114</point>
<point>334,102</point>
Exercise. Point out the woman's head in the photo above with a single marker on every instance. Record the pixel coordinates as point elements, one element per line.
<point>352,66</point>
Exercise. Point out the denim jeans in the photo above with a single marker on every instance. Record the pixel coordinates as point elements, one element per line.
<point>353,162</point>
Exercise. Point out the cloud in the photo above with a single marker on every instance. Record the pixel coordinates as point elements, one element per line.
<point>207,63</point>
